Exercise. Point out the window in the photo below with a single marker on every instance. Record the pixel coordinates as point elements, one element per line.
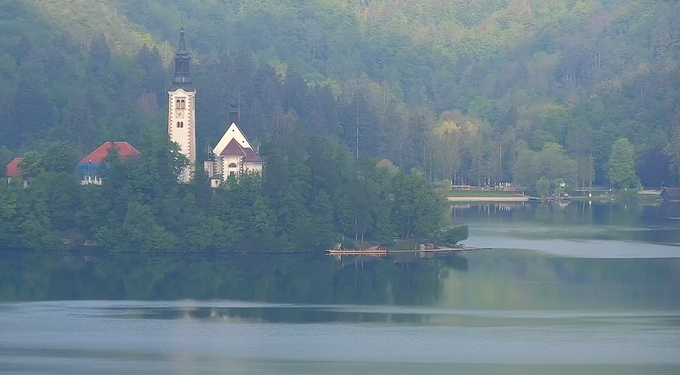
<point>180,124</point>
<point>183,104</point>
<point>232,165</point>
<point>180,104</point>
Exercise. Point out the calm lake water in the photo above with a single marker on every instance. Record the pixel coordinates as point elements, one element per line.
<point>586,288</point>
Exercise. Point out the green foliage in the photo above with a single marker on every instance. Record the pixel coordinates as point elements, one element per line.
<point>417,209</point>
<point>454,235</point>
<point>59,157</point>
<point>141,207</point>
<point>543,187</point>
<point>622,165</point>
<point>32,164</point>
<point>447,88</point>
<point>551,163</point>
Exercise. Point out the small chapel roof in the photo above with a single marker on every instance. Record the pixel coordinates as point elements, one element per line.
<point>125,150</point>
<point>230,145</point>
<point>233,149</point>
<point>251,155</point>
<point>13,168</point>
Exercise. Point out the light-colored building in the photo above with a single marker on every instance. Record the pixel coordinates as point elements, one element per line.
<point>233,155</point>
<point>182,109</point>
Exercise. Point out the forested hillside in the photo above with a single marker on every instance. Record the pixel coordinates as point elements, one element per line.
<point>478,91</point>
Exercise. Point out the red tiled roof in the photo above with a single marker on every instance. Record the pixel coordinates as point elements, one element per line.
<point>252,155</point>
<point>233,149</point>
<point>13,168</point>
<point>125,150</point>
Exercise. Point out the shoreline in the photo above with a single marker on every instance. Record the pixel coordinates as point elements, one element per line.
<point>498,198</point>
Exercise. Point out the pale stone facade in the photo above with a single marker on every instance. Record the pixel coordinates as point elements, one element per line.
<point>232,156</point>
<point>182,127</point>
<point>182,109</point>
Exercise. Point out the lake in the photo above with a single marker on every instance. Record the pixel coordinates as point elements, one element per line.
<point>581,288</point>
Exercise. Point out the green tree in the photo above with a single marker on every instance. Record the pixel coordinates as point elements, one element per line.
<point>417,209</point>
<point>622,165</point>
<point>32,164</point>
<point>263,224</point>
<point>456,234</point>
<point>543,187</point>
<point>324,234</point>
<point>142,233</point>
<point>672,150</point>
<point>60,157</point>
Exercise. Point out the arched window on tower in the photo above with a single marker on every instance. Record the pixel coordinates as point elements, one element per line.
<point>178,104</point>
<point>232,165</point>
<point>182,104</point>
<point>180,124</point>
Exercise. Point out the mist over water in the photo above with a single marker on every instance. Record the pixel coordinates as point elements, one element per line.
<point>578,289</point>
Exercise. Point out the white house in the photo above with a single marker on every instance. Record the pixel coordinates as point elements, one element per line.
<point>233,155</point>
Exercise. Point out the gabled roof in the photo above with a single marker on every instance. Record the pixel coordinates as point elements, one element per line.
<point>13,168</point>
<point>251,155</point>
<point>234,142</point>
<point>233,149</point>
<point>125,150</point>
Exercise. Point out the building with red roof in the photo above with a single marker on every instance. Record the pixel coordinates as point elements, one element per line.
<point>12,169</point>
<point>233,155</point>
<point>12,172</point>
<point>125,151</point>
<point>88,168</point>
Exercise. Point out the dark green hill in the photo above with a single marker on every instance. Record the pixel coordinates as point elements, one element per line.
<point>468,90</point>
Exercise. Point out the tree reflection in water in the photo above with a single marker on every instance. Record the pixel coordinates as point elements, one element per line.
<point>263,278</point>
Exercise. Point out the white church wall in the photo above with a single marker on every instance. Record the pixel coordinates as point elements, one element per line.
<point>232,133</point>
<point>181,127</point>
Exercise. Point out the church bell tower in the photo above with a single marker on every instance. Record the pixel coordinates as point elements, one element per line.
<point>182,109</point>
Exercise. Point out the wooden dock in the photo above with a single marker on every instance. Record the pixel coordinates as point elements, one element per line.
<point>385,252</point>
<point>354,252</point>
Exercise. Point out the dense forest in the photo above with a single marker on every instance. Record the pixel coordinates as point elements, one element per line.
<point>312,195</point>
<point>470,91</point>
<point>480,92</point>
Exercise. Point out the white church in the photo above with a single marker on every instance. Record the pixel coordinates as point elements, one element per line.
<point>233,154</point>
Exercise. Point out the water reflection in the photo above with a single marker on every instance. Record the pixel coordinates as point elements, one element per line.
<point>653,223</point>
<point>271,278</point>
<point>576,212</point>
<point>501,311</point>
<point>503,279</point>
<point>526,280</point>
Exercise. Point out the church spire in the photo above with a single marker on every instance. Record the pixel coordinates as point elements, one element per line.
<point>233,112</point>
<point>182,42</point>
<point>182,77</point>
